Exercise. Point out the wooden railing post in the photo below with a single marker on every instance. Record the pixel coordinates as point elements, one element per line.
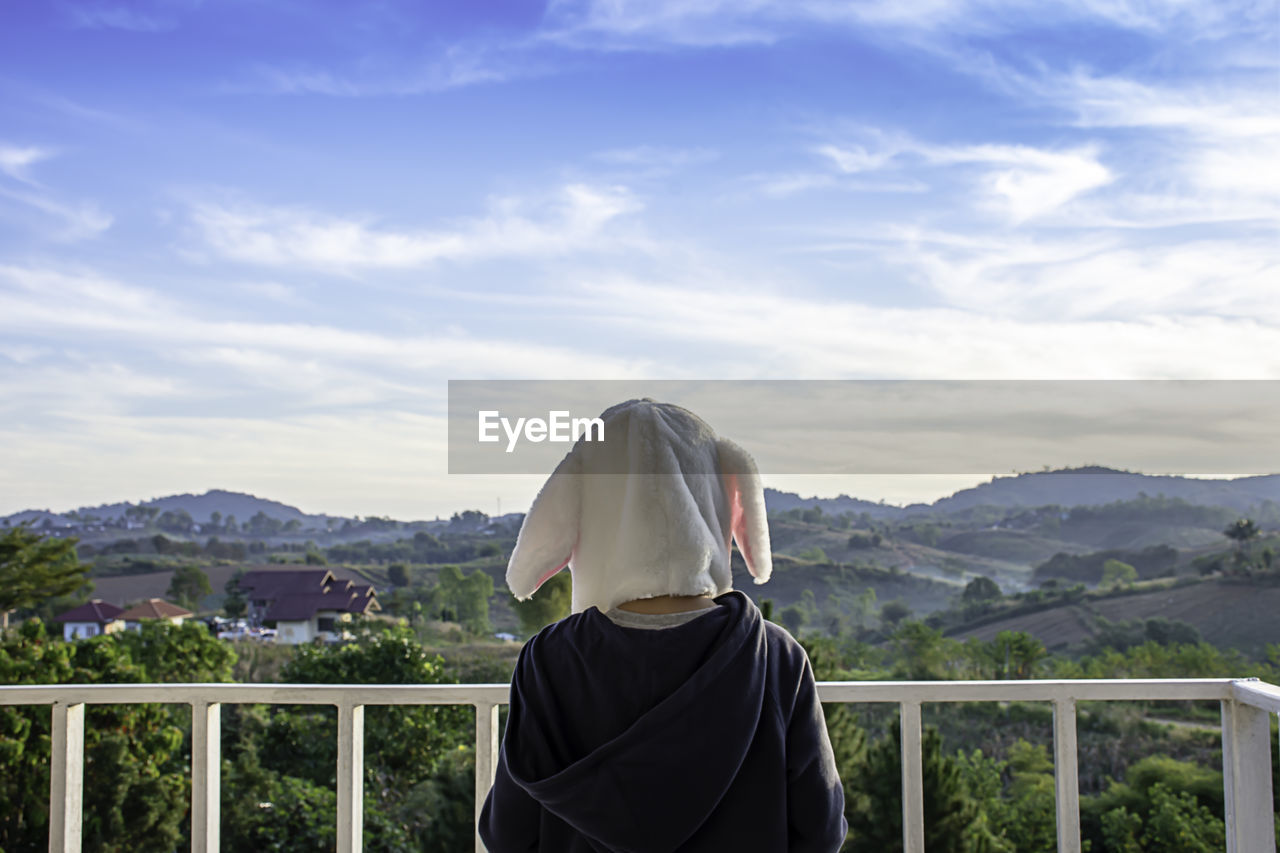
<point>486,758</point>
<point>1066,774</point>
<point>206,776</point>
<point>350,778</point>
<point>912,780</point>
<point>66,779</point>
<point>1246,778</point>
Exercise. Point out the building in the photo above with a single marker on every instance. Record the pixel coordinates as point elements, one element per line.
<point>305,604</point>
<point>90,619</point>
<point>153,609</point>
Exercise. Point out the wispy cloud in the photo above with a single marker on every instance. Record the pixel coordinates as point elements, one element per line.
<point>74,220</point>
<point>1092,276</point>
<point>15,160</point>
<point>637,24</point>
<point>456,66</point>
<point>741,331</point>
<point>1021,181</point>
<point>149,16</point>
<point>574,220</point>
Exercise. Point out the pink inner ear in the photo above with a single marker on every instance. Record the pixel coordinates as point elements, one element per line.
<point>551,573</point>
<point>737,522</point>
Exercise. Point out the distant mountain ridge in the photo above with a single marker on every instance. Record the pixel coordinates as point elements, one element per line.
<point>1088,486</point>
<point>200,507</point>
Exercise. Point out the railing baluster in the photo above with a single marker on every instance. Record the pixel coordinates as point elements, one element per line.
<point>486,758</point>
<point>1066,775</point>
<point>206,776</point>
<point>66,779</point>
<point>912,780</point>
<point>1246,778</point>
<point>350,778</point>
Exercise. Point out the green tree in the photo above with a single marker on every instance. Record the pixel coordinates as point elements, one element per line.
<point>1031,823</point>
<point>135,769</point>
<point>875,821</point>
<point>404,745</point>
<point>980,589</point>
<point>33,568</point>
<point>1117,573</point>
<point>793,618</point>
<point>466,597</point>
<point>234,605</point>
<point>1242,532</point>
<point>921,652</point>
<point>550,603</point>
<point>893,612</point>
<point>188,585</point>
<point>1179,822</point>
<point>398,574</point>
<point>1015,654</point>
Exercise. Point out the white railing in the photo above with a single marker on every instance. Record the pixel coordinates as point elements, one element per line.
<point>1246,749</point>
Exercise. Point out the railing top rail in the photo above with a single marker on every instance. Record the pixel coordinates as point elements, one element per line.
<point>1025,690</point>
<point>251,694</point>
<point>1259,694</point>
<point>1251,691</point>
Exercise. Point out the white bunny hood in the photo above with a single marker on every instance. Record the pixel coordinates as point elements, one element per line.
<point>648,511</point>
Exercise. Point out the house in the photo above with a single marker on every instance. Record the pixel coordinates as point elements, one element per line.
<point>305,604</point>
<point>153,609</point>
<point>90,619</point>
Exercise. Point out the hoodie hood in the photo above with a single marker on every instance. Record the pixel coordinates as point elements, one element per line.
<point>650,510</point>
<point>637,778</point>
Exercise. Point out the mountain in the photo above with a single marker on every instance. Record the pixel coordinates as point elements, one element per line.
<point>1094,485</point>
<point>1068,487</point>
<point>778,501</point>
<point>242,506</point>
<point>199,507</point>
<point>1090,486</point>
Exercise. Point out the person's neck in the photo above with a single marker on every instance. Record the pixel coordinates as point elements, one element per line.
<point>669,603</point>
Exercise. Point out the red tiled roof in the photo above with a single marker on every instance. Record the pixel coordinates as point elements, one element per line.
<point>94,610</point>
<point>273,583</point>
<point>299,594</point>
<point>154,608</point>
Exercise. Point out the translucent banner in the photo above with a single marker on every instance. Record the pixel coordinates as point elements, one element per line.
<point>894,426</point>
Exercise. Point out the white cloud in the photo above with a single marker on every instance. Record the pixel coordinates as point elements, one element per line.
<point>76,220</point>
<point>459,65</point>
<point>774,333</point>
<point>85,307</point>
<point>15,160</point>
<point>150,16</point>
<point>631,24</point>
<point>1020,181</point>
<point>575,220</point>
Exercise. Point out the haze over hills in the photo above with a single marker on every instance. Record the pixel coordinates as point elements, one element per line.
<point>1089,486</point>
<point>1069,487</point>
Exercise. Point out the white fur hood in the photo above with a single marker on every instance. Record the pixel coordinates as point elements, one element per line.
<point>649,511</point>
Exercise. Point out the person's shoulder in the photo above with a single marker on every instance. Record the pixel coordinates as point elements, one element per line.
<point>784,646</point>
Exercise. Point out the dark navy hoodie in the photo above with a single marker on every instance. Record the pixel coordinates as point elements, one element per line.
<point>706,736</point>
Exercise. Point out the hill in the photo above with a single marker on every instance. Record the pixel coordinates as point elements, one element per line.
<point>1091,486</point>
<point>1238,613</point>
<point>1067,487</point>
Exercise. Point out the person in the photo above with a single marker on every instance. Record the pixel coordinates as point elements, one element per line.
<point>664,713</point>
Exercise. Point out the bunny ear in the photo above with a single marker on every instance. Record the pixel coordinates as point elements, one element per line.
<point>748,521</point>
<point>550,530</point>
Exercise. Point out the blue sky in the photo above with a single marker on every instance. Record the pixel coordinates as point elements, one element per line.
<point>244,244</point>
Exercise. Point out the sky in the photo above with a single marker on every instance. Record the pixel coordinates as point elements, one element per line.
<point>245,245</point>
